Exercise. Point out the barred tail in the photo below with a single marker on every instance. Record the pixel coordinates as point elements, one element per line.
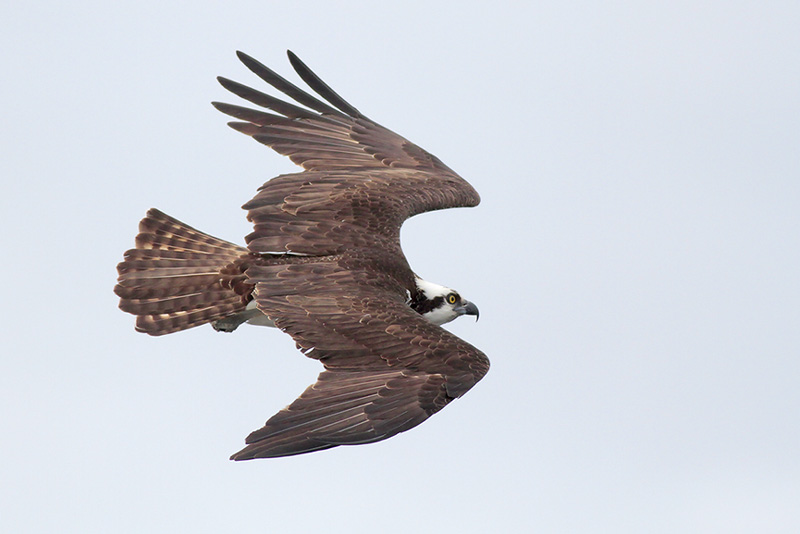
<point>176,277</point>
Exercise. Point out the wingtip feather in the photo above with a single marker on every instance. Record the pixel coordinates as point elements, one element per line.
<point>323,89</point>
<point>251,63</point>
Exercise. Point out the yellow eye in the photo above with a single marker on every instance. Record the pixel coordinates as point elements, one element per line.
<point>451,298</point>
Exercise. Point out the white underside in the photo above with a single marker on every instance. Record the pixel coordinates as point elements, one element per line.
<point>261,320</point>
<point>257,318</point>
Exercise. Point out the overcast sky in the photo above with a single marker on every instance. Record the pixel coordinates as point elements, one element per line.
<point>635,259</point>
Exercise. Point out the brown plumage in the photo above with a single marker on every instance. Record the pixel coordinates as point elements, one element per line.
<point>324,264</point>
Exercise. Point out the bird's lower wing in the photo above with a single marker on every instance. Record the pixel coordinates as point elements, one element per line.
<point>348,408</point>
<point>387,368</point>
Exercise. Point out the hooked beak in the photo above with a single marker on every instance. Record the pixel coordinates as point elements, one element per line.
<point>468,308</point>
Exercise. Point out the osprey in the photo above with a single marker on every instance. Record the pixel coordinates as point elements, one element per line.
<point>324,265</point>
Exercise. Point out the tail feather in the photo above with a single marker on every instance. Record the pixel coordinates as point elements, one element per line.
<point>191,301</point>
<point>160,231</point>
<point>174,280</point>
<point>160,324</point>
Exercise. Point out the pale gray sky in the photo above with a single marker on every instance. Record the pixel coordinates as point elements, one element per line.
<point>635,260</point>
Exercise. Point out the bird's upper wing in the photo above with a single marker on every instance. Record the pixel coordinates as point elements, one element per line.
<point>387,368</point>
<point>361,180</point>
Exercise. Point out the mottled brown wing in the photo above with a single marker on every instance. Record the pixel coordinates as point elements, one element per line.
<point>387,368</point>
<point>361,181</point>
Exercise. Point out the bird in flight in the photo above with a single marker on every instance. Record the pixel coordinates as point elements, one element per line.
<point>324,265</point>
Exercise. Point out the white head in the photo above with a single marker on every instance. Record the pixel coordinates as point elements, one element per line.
<point>439,304</point>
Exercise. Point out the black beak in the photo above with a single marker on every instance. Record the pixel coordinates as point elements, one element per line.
<point>470,309</point>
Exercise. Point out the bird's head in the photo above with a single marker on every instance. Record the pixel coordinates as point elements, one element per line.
<point>439,304</point>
